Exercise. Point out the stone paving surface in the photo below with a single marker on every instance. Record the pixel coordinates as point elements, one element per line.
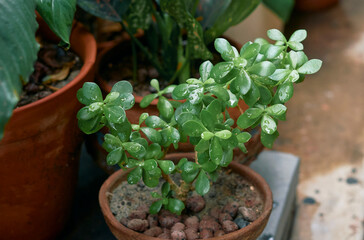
<point>325,125</point>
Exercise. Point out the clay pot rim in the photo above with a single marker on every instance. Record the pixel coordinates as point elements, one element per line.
<point>259,182</point>
<point>88,63</point>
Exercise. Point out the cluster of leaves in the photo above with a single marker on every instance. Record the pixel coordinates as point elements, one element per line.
<point>19,47</point>
<point>167,22</point>
<point>261,74</point>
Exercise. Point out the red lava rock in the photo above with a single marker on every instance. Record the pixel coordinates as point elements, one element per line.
<point>192,222</point>
<point>195,203</point>
<point>144,208</point>
<point>215,212</point>
<point>124,221</point>
<point>153,220</point>
<point>207,217</point>
<point>168,219</point>
<point>248,214</point>
<point>231,208</point>
<point>138,225</point>
<point>209,224</point>
<point>206,233</point>
<point>178,235</point>
<point>229,226</point>
<point>224,216</point>
<point>138,214</point>
<point>178,227</point>
<point>219,233</point>
<point>191,234</point>
<point>153,232</point>
<point>165,235</point>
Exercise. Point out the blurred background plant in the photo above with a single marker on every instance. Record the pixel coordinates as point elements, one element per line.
<point>177,32</point>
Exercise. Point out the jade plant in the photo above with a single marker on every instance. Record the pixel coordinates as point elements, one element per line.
<point>177,31</point>
<point>262,74</point>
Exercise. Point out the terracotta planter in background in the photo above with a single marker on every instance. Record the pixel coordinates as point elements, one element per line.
<point>314,5</point>
<point>39,155</point>
<point>250,232</point>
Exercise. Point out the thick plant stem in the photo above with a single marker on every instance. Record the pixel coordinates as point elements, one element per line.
<point>173,185</point>
<point>185,189</point>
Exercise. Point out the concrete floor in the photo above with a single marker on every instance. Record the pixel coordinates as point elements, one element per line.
<point>325,125</point>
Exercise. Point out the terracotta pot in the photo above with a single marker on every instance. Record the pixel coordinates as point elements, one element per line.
<point>39,155</point>
<point>314,5</point>
<point>250,232</point>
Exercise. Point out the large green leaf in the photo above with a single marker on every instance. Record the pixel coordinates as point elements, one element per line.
<point>237,11</point>
<point>282,8</point>
<point>112,10</point>
<point>139,15</point>
<point>18,51</point>
<point>58,14</point>
<point>178,10</point>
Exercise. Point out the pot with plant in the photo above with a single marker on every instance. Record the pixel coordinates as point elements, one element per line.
<point>177,39</point>
<point>224,205</point>
<point>39,138</point>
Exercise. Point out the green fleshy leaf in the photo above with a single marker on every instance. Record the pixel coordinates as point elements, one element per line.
<point>165,189</point>
<point>165,108</point>
<point>114,114</point>
<point>269,126</point>
<point>167,166</point>
<point>152,134</point>
<point>135,175</point>
<point>276,35</point>
<point>310,67</point>
<point>205,70</point>
<point>155,207</point>
<point>227,157</point>
<point>89,93</point>
<point>285,92</point>
<point>202,185</point>
<point>224,48</point>
<point>193,128</point>
<point>223,134</point>
<point>114,156</point>
<point>145,102</point>
<point>268,139</point>
<point>155,122</point>
<point>175,206</point>
<point>243,137</point>
<point>202,145</point>
<point>215,151</point>
<point>189,171</point>
<point>263,69</point>
<point>220,71</point>
<point>135,149</point>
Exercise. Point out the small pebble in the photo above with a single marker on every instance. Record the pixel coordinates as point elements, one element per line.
<point>192,222</point>
<point>206,233</point>
<point>138,225</point>
<point>138,214</point>
<point>351,180</point>
<point>231,208</point>
<point>229,226</point>
<point>153,232</point>
<point>178,227</point>
<point>309,200</point>
<point>219,233</point>
<point>178,235</point>
<point>248,214</point>
<point>195,203</point>
<point>165,235</point>
<point>223,217</point>
<point>241,222</point>
<point>191,234</point>
<point>209,224</point>
<point>168,219</point>
<point>153,220</point>
<point>124,221</point>
<point>215,212</point>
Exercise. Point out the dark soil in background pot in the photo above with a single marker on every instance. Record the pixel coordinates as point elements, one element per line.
<point>53,69</point>
<point>231,204</point>
<point>117,65</point>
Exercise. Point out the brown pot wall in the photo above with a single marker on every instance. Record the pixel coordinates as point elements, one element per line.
<point>251,232</point>
<point>39,156</point>
<point>314,5</point>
